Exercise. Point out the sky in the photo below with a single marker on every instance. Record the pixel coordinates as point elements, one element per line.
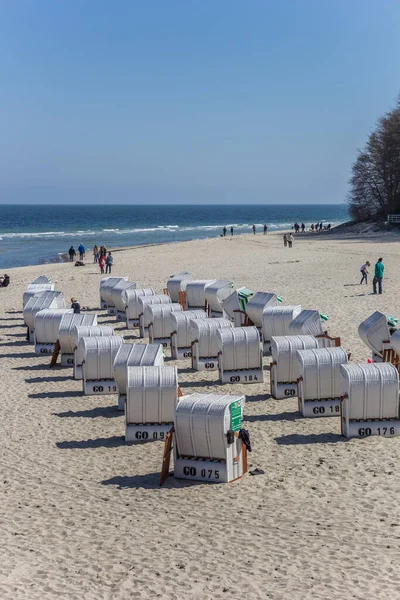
<point>208,101</point>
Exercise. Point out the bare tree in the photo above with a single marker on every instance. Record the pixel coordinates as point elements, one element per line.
<point>375,181</point>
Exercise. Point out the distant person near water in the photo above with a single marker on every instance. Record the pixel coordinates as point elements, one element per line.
<point>265,229</point>
<point>224,231</point>
<point>290,240</point>
<point>254,229</point>
<point>285,240</point>
<point>81,250</point>
<point>96,254</point>
<point>302,227</point>
<point>378,276</point>
<point>103,250</point>
<point>364,272</point>
<point>231,230</point>
<point>109,262</point>
<point>71,253</point>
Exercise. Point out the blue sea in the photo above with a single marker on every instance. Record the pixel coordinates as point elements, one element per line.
<point>32,235</point>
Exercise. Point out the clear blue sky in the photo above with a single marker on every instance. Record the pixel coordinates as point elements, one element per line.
<point>191,101</point>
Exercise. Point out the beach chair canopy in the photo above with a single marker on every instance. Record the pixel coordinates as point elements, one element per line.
<point>258,303</point>
<point>374,331</point>
<point>240,348</point>
<point>320,370</point>
<point>135,355</point>
<point>204,331</point>
<point>202,422</point>
<point>67,328</point>
<point>372,391</point>
<point>98,356</point>
<point>283,349</point>
<point>151,394</point>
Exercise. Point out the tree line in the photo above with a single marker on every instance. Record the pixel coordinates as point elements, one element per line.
<point>375,180</point>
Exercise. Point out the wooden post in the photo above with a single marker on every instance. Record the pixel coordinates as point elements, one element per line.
<point>167,456</point>
<point>55,354</point>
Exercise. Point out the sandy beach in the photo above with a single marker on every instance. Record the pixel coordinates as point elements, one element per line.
<point>82,514</point>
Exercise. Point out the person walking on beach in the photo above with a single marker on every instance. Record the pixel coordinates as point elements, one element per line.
<point>71,253</point>
<point>102,263</point>
<point>379,269</point>
<point>302,227</point>
<point>231,231</point>
<point>285,240</point>
<point>290,240</point>
<point>109,262</point>
<point>96,254</point>
<point>224,231</point>
<point>364,272</point>
<point>265,230</point>
<point>254,229</point>
<point>81,250</point>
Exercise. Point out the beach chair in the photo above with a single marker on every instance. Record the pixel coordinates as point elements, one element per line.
<point>204,342</point>
<point>47,327</point>
<point>144,315</point>
<point>180,335</point>
<point>116,305</point>
<point>320,381</point>
<point>375,334</point>
<point>98,363</point>
<point>256,306</point>
<point>106,284</point>
<point>240,357</point>
<point>234,306</point>
<point>307,322</point>
<point>275,322</point>
<point>195,295</point>
<point>176,284</point>
<point>34,289</point>
<point>284,367</point>
<point>208,446</point>
<point>152,394</point>
<point>160,324</point>
<point>86,331</point>
<point>215,294</point>
<point>41,280</point>
<point>134,355</point>
<point>370,402</point>
<point>66,335</point>
<point>131,298</point>
<point>40,301</point>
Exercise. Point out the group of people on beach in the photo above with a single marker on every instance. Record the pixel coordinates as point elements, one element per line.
<point>378,275</point>
<point>254,229</point>
<point>100,256</point>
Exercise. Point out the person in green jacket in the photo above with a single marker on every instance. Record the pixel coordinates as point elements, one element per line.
<point>379,269</point>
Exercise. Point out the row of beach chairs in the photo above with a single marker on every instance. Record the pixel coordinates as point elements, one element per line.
<point>217,328</point>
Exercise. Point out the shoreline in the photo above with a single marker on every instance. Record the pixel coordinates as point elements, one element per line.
<point>64,258</point>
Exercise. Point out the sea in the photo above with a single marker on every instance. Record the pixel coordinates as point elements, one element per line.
<point>39,234</point>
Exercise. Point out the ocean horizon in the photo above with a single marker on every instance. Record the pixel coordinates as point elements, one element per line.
<point>40,234</point>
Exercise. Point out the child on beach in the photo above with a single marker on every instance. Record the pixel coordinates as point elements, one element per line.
<point>96,254</point>
<point>102,263</point>
<point>364,271</point>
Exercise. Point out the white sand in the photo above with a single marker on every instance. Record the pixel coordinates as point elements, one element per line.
<point>82,515</point>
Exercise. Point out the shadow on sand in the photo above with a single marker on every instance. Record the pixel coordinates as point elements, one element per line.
<point>108,412</point>
<point>315,438</point>
<point>111,442</point>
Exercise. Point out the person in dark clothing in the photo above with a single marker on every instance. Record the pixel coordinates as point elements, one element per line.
<point>231,230</point>
<point>265,230</point>
<point>302,227</point>
<point>81,249</point>
<point>254,229</point>
<point>379,270</point>
<point>224,231</point>
<point>71,253</point>
<point>109,263</point>
<point>75,306</point>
